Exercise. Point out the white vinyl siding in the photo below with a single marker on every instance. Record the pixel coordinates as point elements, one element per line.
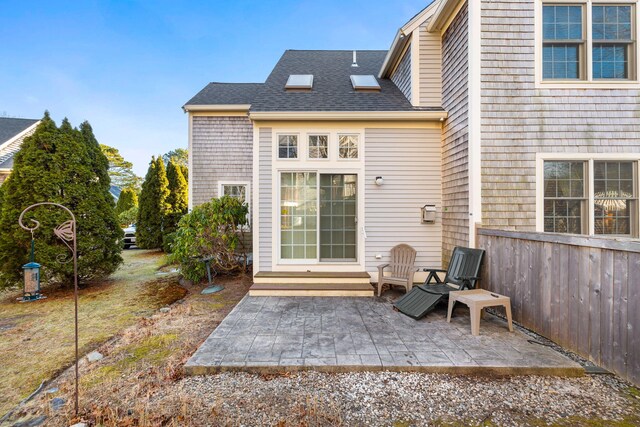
<point>430,68</point>
<point>409,160</point>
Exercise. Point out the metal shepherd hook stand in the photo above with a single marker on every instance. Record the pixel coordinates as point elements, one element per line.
<point>67,233</point>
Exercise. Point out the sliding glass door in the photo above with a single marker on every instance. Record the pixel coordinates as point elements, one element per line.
<point>318,222</point>
<point>299,215</point>
<point>338,196</point>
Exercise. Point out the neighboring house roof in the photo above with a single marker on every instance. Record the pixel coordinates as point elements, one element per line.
<point>332,89</point>
<point>7,164</point>
<point>10,129</point>
<point>226,94</point>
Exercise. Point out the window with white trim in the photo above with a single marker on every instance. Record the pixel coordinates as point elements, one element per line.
<point>237,191</point>
<point>596,195</point>
<point>348,146</point>
<point>572,49</point>
<point>287,146</point>
<point>318,146</point>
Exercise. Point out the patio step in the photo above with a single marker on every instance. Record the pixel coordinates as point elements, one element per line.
<point>312,290</point>
<point>312,277</point>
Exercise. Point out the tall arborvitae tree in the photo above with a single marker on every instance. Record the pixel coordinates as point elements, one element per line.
<point>103,250</point>
<point>153,206</point>
<point>60,165</point>
<point>128,199</point>
<point>1,198</point>
<point>177,201</point>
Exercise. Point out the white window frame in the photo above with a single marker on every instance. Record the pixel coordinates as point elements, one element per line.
<point>588,82</point>
<point>589,159</point>
<point>308,147</point>
<point>359,144</point>
<point>247,194</point>
<point>298,145</point>
<point>303,164</point>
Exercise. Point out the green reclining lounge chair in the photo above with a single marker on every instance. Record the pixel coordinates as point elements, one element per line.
<point>463,272</point>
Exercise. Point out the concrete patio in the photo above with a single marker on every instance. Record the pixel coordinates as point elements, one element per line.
<point>271,334</point>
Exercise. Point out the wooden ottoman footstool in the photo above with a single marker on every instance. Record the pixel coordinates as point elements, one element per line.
<point>477,300</point>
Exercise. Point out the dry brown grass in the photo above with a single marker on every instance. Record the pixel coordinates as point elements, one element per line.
<point>36,338</point>
<point>131,386</point>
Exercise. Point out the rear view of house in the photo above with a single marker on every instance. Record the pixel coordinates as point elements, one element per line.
<point>12,133</point>
<point>514,115</point>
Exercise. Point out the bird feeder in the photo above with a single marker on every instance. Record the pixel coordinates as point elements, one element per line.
<point>31,289</point>
<point>31,272</point>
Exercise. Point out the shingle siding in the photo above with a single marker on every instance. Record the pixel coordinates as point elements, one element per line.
<point>222,151</point>
<point>265,189</point>
<point>455,135</point>
<point>519,120</point>
<point>409,161</point>
<point>402,75</point>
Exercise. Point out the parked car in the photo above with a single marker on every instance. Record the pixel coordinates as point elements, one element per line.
<point>129,236</point>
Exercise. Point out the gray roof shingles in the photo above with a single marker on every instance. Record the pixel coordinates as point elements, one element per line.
<point>226,94</point>
<point>10,127</point>
<point>332,90</point>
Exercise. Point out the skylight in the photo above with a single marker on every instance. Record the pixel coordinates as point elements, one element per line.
<point>365,82</point>
<point>299,81</point>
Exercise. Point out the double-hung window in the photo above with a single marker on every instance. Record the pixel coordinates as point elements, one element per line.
<point>564,42</point>
<point>591,197</point>
<point>589,41</point>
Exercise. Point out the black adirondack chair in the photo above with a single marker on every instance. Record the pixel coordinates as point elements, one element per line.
<point>463,273</point>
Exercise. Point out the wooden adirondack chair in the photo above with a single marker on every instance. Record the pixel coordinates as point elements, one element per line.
<point>463,273</point>
<point>403,258</point>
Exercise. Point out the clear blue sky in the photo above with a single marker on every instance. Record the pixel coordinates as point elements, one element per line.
<point>128,66</point>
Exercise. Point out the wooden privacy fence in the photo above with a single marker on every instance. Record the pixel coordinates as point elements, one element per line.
<point>580,292</point>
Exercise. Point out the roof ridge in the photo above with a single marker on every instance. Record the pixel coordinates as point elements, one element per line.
<point>18,118</point>
<point>236,83</point>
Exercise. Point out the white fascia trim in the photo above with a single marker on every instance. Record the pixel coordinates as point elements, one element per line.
<point>475,120</point>
<point>402,37</point>
<point>393,55</point>
<point>452,17</point>
<point>442,13</point>
<point>19,135</point>
<point>420,19</point>
<point>217,107</point>
<point>415,68</point>
<point>5,170</point>
<point>255,213</point>
<point>349,115</point>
